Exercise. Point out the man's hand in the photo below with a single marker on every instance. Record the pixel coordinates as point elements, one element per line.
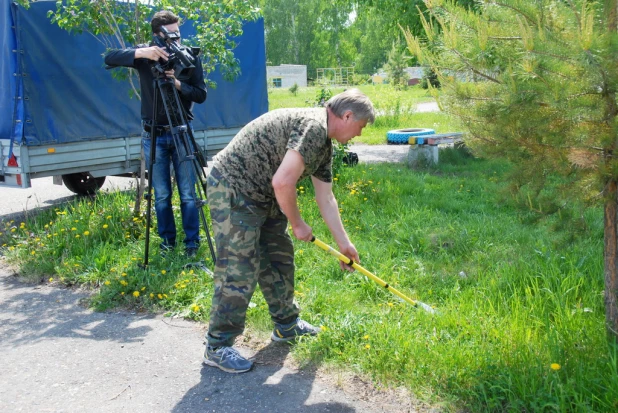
<point>170,75</point>
<point>153,53</point>
<point>302,231</point>
<point>349,250</point>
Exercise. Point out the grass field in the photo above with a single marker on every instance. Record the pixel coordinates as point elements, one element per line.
<point>395,109</point>
<point>519,295</point>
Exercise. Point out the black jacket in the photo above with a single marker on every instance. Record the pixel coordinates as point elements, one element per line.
<point>192,89</point>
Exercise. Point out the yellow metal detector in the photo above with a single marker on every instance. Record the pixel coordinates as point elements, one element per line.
<point>381,282</point>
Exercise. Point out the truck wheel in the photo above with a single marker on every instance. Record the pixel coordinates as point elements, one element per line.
<point>82,183</point>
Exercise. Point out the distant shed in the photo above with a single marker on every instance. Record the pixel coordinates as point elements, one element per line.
<point>286,75</point>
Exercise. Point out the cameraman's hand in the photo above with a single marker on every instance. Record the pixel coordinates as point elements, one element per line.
<point>170,75</point>
<point>153,53</point>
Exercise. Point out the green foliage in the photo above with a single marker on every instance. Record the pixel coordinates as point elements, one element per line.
<point>430,79</point>
<point>531,82</point>
<point>519,293</point>
<point>312,32</point>
<point>322,96</point>
<point>395,66</point>
<point>294,89</point>
<point>535,83</point>
<point>119,24</point>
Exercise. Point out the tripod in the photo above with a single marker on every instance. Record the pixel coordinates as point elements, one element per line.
<point>191,158</point>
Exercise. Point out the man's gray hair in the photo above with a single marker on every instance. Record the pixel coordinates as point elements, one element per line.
<point>355,101</point>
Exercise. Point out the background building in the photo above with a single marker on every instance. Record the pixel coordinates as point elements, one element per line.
<point>286,75</point>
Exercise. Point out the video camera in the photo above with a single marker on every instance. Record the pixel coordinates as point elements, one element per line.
<point>180,58</point>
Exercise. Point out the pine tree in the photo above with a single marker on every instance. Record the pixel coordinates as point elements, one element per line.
<point>395,66</point>
<point>535,81</point>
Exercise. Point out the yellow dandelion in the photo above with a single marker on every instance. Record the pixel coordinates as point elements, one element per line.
<point>124,274</point>
<point>195,308</point>
<point>51,280</point>
<point>165,295</point>
<point>33,252</point>
<point>136,294</point>
<point>366,337</point>
<point>109,217</point>
<point>105,226</point>
<point>163,272</point>
<point>323,328</point>
<point>86,233</point>
<point>159,296</point>
<point>73,229</point>
<point>367,346</point>
<point>122,293</point>
<point>151,295</point>
<point>143,288</point>
<point>555,366</point>
<point>107,282</point>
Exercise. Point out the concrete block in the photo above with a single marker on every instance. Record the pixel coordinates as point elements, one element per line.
<point>420,155</point>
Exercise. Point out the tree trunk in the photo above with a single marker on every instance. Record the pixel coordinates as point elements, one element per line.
<point>611,260</point>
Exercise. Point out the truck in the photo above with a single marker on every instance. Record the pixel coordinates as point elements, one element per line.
<point>63,115</point>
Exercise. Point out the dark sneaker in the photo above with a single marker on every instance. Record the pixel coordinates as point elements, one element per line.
<point>191,252</point>
<point>289,332</point>
<point>227,359</point>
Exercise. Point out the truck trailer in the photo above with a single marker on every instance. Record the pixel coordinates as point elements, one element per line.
<point>62,114</point>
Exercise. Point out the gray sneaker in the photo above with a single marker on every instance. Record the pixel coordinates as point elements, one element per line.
<point>289,332</point>
<point>227,359</point>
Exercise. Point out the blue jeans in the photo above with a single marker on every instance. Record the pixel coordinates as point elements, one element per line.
<point>162,184</point>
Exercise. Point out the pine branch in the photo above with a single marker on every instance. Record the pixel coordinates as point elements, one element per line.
<point>508,6</point>
<point>474,70</point>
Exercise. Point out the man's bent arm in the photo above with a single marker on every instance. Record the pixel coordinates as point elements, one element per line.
<point>121,57</point>
<point>284,184</point>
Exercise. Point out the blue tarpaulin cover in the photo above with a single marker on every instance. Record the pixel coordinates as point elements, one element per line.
<point>55,88</point>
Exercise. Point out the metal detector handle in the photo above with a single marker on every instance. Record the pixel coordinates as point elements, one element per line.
<point>379,281</point>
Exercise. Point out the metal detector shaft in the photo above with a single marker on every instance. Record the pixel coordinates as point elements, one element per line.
<point>378,280</point>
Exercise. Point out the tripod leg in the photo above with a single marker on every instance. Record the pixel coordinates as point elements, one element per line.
<point>190,158</point>
<point>148,195</point>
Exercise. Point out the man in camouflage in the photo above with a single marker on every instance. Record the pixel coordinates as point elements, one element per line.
<point>252,195</point>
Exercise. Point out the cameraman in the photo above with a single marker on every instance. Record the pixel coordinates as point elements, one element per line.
<point>143,58</point>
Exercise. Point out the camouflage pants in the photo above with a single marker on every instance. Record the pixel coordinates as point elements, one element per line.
<point>253,246</point>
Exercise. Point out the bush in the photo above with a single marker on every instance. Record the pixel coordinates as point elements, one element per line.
<point>294,89</point>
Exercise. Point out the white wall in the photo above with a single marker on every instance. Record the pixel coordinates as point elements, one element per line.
<point>289,75</point>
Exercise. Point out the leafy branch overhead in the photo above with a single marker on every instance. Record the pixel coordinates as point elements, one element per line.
<point>122,23</point>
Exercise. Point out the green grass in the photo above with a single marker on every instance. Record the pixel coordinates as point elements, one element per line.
<point>395,109</point>
<point>516,291</point>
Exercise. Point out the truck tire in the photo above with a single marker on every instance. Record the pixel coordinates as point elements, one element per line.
<point>82,183</point>
<point>401,136</point>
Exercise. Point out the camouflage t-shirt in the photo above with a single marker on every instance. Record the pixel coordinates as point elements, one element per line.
<point>251,159</point>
